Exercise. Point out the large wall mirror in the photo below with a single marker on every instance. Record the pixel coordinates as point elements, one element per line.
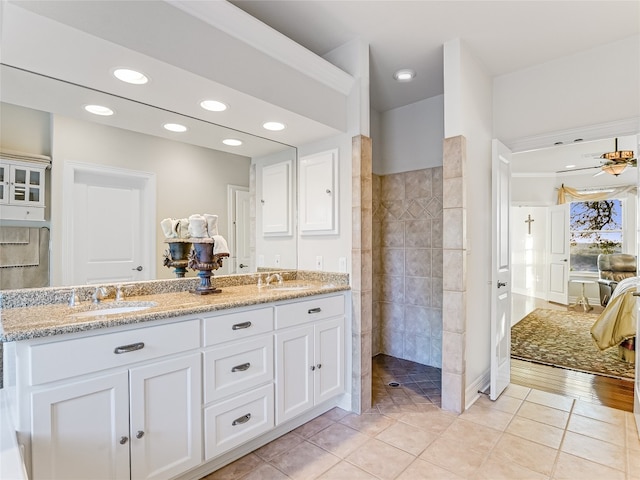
<point>192,172</point>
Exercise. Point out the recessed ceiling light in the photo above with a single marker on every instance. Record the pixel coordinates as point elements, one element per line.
<point>130,76</point>
<point>569,166</point>
<point>274,126</point>
<point>213,105</point>
<point>405,75</point>
<point>99,110</point>
<point>232,142</point>
<point>175,127</point>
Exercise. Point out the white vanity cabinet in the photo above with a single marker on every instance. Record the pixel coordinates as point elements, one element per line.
<point>22,190</point>
<point>238,378</point>
<point>177,398</point>
<point>141,420</point>
<point>309,354</point>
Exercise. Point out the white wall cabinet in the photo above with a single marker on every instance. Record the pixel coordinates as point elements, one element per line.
<point>318,185</point>
<point>275,199</point>
<point>310,356</point>
<point>22,190</point>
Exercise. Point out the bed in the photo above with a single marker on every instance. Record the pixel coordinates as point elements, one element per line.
<point>616,325</point>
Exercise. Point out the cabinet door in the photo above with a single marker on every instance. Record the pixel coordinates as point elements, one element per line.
<point>319,193</point>
<point>329,358</point>
<point>294,374</point>
<point>26,186</point>
<point>276,199</point>
<point>4,184</point>
<point>81,430</point>
<point>166,418</point>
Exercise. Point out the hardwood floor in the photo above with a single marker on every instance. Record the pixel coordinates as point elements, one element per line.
<point>596,389</point>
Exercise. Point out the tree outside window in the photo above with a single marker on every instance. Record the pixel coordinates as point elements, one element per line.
<point>595,228</point>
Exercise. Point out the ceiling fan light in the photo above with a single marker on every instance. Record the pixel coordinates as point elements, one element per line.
<point>614,168</point>
<point>618,155</point>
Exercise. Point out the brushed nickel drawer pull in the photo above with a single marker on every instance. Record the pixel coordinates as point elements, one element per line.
<point>240,326</point>
<point>241,420</point>
<point>241,368</point>
<point>314,310</point>
<point>129,348</point>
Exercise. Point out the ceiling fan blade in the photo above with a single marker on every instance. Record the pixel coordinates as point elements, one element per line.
<point>578,169</point>
<point>601,172</point>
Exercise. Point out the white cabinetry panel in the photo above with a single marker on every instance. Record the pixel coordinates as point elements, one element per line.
<point>237,420</point>
<point>275,199</point>
<point>166,418</point>
<point>318,185</point>
<point>77,430</point>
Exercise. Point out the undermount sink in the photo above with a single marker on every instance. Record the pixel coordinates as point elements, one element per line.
<point>115,308</point>
<point>285,287</point>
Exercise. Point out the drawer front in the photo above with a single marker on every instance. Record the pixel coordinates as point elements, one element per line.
<point>237,420</point>
<point>297,313</point>
<point>238,367</point>
<point>236,326</point>
<point>69,358</point>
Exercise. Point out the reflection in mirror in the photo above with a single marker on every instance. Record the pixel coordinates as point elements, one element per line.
<point>114,178</point>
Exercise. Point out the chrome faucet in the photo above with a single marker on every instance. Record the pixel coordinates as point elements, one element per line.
<point>99,294</point>
<point>120,293</point>
<point>274,276</point>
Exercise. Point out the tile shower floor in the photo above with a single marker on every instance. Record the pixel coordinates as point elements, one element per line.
<point>526,434</point>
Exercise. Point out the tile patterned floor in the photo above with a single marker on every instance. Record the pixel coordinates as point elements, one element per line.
<point>526,434</point>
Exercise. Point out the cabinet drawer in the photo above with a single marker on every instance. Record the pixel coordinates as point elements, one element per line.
<point>237,367</point>
<point>69,358</point>
<point>237,420</point>
<point>21,212</point>
<point>298,313</point>
<point>236,326</point>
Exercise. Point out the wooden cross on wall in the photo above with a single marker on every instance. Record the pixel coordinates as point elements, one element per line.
<point>528,222</point>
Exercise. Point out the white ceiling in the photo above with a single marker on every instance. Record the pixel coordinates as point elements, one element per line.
<point>504,35</point>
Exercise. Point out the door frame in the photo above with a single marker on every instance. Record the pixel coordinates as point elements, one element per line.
<point>147,181</point>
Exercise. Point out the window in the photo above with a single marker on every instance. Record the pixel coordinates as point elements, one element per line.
<point>595,228</point>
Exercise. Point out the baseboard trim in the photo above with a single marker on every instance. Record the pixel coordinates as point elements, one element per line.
<point>480,384</point>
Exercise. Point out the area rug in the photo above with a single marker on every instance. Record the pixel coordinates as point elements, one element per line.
<point>562,339</point>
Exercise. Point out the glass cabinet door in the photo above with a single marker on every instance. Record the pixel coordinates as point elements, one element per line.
<point>26,186</point>
<point>35,184</point>
<point>4,184</point>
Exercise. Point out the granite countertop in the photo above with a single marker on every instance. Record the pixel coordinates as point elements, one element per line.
<point>23,323</point>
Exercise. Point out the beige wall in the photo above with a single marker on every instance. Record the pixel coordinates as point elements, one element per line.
<point>407,267</point>
<point>189,179</point>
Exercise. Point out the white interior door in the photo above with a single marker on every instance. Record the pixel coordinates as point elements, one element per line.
<point>559,260</point>
<point>242,224</point>
<point>107,237</point>
<point>501,272</point>
<point>239,220</point>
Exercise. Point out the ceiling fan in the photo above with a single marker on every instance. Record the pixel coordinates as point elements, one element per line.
<point>613,163</point>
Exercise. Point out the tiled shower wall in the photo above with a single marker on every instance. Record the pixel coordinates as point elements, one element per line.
<point>407,265</point>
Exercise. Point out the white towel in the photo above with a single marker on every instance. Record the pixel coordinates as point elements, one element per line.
<point>197,226</point>
<point>183,228</point>
<point>167,228</point>
<point>212,224</point>
<point>220,246</point>
<point>175,227</point>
